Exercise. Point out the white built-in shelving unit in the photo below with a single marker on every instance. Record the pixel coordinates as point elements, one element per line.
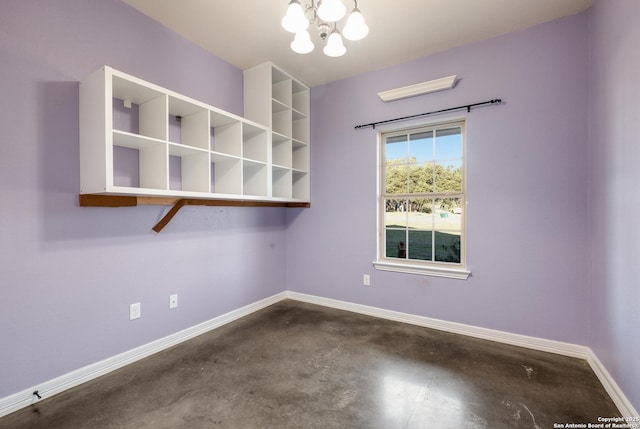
<point>139,139</point>
<point>278,101</point>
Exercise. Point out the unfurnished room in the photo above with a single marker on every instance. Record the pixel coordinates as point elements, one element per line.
<point>319,214</point>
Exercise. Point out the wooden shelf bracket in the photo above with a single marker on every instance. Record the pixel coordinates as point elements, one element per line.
<point>96,200</point>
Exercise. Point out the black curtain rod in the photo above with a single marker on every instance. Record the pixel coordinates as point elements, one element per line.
<point>404,118</point>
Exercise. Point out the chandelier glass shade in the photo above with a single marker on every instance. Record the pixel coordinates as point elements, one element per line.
<point>325,15</point>
<point>331,10</point>
<point>334,46</point>
<point>302,43</point>
<point>295,21</point>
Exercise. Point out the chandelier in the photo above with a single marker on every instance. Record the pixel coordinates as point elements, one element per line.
<point>325,15</point>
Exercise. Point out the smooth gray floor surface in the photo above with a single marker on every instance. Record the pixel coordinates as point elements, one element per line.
<point>296,365</point>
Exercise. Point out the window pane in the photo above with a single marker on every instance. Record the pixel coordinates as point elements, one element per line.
<point>420,244</point>
<point>449,176</point>
<point>421,147</point>
<point>420,212</point>
<point>396,148</point>
<point>397,178</point>
<point>420,222</point>
<point>447,247</point>
<point>449,144</point>
<point>395,243</point>
<point>448,229</point>
<point>397,168</point>
<point>396,213</point>
<point>421,177</point>
<point>395,219</point>
<point>449,160</point>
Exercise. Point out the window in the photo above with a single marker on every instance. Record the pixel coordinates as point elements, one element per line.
<point>422,201</point>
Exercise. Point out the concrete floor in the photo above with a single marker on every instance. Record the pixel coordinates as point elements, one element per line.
<point>295,365</point>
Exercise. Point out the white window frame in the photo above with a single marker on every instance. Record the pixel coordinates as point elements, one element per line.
<point>428,268</point>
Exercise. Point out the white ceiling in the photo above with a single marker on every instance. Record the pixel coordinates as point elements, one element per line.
<point>248,32</point>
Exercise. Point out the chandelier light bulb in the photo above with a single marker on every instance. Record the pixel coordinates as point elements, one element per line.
<point>331,10</point>
<point>295,21</point>
<point>302,43</point>
<point>356,28</point>
<point>334,46</point>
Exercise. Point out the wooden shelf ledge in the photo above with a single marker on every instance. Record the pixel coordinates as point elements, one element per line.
<point>98,200</point>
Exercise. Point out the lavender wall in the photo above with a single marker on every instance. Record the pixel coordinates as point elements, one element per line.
<point>614,191</point>
<point>527,169</point>
<point>68,274</point>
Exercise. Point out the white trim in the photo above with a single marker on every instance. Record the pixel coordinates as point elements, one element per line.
<point>550,346</point>
<point>617,395</point>
<point>412,266</point>
<point>57,385</point>
<point>418,89</point>
<point>425,270</point>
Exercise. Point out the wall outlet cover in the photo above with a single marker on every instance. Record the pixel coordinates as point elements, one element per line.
<point>135,311</point>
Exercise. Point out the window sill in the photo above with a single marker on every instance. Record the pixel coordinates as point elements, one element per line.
<point>452,273</point>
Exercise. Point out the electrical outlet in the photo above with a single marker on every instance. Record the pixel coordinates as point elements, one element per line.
<point>366,280</point>
<point>135,312</point>
<point>173,300</point>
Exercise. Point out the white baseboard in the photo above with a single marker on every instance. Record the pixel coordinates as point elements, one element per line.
<point>67,381</point>
<point>617,395</point>
<point>551,346</point>
<point>567,349</point>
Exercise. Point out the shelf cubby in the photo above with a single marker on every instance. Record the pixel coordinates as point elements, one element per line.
<point>193,168</point>
<point>152,159</point>
<point>254,142</point>
<point>191,130</point>
<point>300,98</point>
<point>125,118</point>
<point>225,134</point>
<point>300,158</point>
<point>300,185</point>
<point>126,167</point>
<point>281,182</point>
<point>189,123</point>
<point>153,118</point>
<point>300,129</point>
<point>281,92</point>
<point>145,119</point>
<point>281,122</point>
<point>226,174</point>
<point>254,178</point>
<point>281,151</point>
